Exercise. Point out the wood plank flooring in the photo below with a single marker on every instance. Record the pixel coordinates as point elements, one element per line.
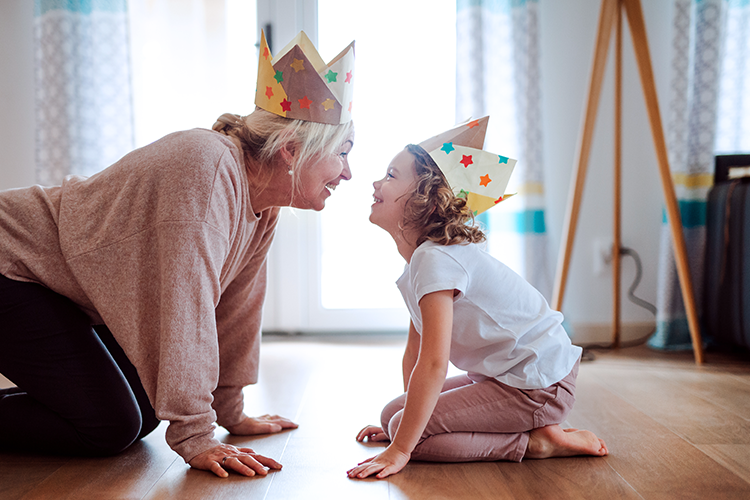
<point>674,430</point>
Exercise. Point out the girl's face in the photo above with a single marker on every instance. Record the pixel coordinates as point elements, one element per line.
<point>392,191</point>
<point>317,180</point>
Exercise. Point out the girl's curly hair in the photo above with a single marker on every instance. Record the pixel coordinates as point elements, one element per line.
<point>433,211</point>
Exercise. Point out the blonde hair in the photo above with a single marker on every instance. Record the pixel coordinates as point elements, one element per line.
<point>432,211</point>
<point>263,135</point>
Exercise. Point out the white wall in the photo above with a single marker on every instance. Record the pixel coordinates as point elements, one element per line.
<point>16,93</point>
<point>568,31</point>
<point>568,34</point>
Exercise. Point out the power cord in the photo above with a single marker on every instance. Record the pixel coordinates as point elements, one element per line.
<point>587,355</point>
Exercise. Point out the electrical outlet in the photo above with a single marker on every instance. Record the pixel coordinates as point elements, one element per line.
<point>602,255</point>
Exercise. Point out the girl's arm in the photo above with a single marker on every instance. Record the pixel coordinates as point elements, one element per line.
<point>373,432</point>
<point>425,385</point>
<point>410,354</point>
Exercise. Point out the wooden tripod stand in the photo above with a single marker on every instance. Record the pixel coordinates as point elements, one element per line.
<point>611,17</point>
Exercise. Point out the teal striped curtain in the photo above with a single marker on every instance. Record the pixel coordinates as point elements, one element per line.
<point>498,74</point>
<point>691,138</point>
<point>83,87</point>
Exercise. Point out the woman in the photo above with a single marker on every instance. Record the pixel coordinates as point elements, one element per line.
<point>164,253</point>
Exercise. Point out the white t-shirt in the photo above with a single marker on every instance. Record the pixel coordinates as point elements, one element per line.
<point>503,327</point>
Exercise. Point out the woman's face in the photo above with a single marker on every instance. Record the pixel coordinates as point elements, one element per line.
<point>392,191</point>
<point>321,176</point>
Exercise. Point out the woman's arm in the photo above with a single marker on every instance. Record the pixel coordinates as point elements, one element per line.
<point>425,385</point>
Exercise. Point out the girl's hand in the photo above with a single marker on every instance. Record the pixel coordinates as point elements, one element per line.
<point>389,462</point>
<point>372,433</point>
<point>225,457</point>
<point>265,424</point>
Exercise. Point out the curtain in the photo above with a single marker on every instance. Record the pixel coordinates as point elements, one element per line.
<point>83,99</point>
<point>699,37</point>
<point>498,74</point>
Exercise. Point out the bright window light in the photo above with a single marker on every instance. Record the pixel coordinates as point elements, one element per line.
<point>191,62</point>
<point>405,85</point>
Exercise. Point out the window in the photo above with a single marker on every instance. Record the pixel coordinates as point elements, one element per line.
<point>402,96</point>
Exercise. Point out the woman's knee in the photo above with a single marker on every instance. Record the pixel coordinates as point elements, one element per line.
<point>113,433</point>
<point>149,423</point>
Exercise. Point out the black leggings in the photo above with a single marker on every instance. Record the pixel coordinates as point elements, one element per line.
<point>77,393</point>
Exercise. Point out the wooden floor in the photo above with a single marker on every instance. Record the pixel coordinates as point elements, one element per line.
<point>673,431</point>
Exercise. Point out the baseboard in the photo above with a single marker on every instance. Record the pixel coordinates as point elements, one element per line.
<point>601,333</point>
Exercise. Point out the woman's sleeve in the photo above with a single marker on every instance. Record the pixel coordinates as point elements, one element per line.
<point>238,319</point>
<point>157,292</point>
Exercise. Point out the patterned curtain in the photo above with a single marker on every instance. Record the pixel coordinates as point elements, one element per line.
<point>83,98</point>
<point>691,138</point>
<point>498,74</point>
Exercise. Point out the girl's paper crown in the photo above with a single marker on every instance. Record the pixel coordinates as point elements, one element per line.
<point>297,83</point>
<point>472,173</point>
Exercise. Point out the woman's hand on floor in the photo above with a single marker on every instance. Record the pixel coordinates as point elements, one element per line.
<point>387,463</point>
<point>371,433</point>
<point>265,424</point>
<point>225,457</point>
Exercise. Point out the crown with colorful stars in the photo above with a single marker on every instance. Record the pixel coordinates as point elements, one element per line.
<point>297,83</point>
<point>472,173</point>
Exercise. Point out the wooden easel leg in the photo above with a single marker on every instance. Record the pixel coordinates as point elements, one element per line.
<point>617,232</point>
<point>640,44</point>
<point>604,33</point>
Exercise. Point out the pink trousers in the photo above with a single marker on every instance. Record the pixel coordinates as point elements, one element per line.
<point>484,421</point>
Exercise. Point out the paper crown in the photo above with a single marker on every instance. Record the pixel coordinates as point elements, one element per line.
<point>297,83</point>
<point>472,173</point>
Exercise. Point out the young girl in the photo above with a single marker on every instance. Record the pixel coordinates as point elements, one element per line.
<point>469,308</point>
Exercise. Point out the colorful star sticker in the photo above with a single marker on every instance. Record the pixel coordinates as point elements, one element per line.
<point>348,77</point>
<point>304,103</point>
<point>503,159</point>
<point>485,180</point>
<point>473,124</point>
<point>328,104</point>
<point>269,92</point>
<point>350,106</point>
<point>448,147</point>
<point>331,76</point>
<point>462,194</point>
<point>298,65</point>
<point>266,53</point>
<point>498,200</point>
<point>279,76</point>
<point>466,160</point>
<point>286,105</point>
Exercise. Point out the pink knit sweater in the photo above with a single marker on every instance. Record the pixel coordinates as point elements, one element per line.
<point>165,249</point>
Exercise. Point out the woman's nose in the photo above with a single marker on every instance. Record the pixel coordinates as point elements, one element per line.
<point>346,173</point>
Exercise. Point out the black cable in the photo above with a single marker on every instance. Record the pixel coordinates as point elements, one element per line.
<point>635,300</point>
<point>638,273</point>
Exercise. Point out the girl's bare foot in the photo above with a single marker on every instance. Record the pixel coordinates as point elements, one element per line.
<point>554,441</point>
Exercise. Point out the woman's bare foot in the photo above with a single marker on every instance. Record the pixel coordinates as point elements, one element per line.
<point>554,441</point>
